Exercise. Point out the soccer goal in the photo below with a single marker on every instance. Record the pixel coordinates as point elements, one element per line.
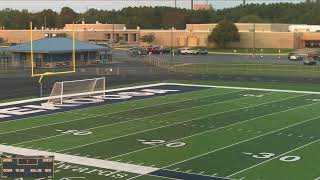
<point>74,89</point>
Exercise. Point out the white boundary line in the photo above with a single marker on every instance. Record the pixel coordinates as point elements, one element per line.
<point>110,90</point>
<point>246,88</point>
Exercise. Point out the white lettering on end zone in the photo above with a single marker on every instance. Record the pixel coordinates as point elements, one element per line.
<point>20,111</point>
<point>84,100</point>
<point>110,97</point>
<point>136,93</point>
<point>29,108</point>
<point>4,116</point>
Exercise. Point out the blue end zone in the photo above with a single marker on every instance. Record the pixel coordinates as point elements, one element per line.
<point>20,111</point>
<point>183,175</point>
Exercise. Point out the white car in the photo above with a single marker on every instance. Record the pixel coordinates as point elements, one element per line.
<point>295,57</point>
<point>187,51</point>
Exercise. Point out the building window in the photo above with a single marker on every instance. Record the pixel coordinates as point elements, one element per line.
<point>108,36</point>
<point>134,37</point>
<point>312,44</point>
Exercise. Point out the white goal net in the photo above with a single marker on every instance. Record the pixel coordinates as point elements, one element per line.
<point>74,89</point>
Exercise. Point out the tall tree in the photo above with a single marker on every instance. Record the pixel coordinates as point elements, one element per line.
<point>224,33</point>
<point>251,19</point>
<point>148,38</point>
<point>66,16</point>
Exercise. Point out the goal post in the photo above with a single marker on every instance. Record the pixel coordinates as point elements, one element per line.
<point>65,90</point>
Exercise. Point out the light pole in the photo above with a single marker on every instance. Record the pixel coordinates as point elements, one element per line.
<point>45,22</point>
<point>82,19</point>
<point>112,35</point>
<point>254,40</point>
<point>191,5</point>
<point>172,53</point>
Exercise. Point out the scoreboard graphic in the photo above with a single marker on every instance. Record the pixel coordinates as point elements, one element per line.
<point>27,167</point>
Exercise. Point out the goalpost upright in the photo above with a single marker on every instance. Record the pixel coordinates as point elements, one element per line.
<point>35,74</point>
<point>41,75</point>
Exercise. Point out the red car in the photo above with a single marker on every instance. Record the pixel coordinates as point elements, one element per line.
<point>313,55</point>
<point>154,50</point>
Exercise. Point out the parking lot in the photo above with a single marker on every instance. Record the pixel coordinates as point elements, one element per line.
<point>211,58</point>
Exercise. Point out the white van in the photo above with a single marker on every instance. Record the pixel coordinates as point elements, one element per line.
<point>186,51</point>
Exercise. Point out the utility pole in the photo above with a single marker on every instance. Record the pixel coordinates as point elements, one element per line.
<point>244,3</point>
<point>191,5</point>
<point>254,41</point>
<point>172,28</point>
<point>45,22</point>
<point>112,35</point>
<point>175,3</point>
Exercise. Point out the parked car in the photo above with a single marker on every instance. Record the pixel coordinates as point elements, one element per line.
<point>200,52</point>
<point>133,49</point>
<point>313,55</point>
<point>187,51</point>
<point>176,51</point>
<point>165,50</point>
<point>153,50</point>
<point>295,57</point>
<point>137,52</point>
<point>309,62</point>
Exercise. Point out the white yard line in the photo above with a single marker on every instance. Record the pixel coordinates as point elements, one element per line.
<point>96,142</point>
<point>225,147</point>
<point>212,130</point>
<point>105,164</point>
<point>283,154</point>
<point>106,114</point>
<point>138,119</point>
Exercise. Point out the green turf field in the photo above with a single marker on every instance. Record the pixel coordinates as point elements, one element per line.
<point>217,132</point>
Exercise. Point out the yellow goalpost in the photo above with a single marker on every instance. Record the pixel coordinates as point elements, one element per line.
<point>41,75</point>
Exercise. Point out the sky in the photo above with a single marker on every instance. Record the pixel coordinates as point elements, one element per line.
<point>83,5</point>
